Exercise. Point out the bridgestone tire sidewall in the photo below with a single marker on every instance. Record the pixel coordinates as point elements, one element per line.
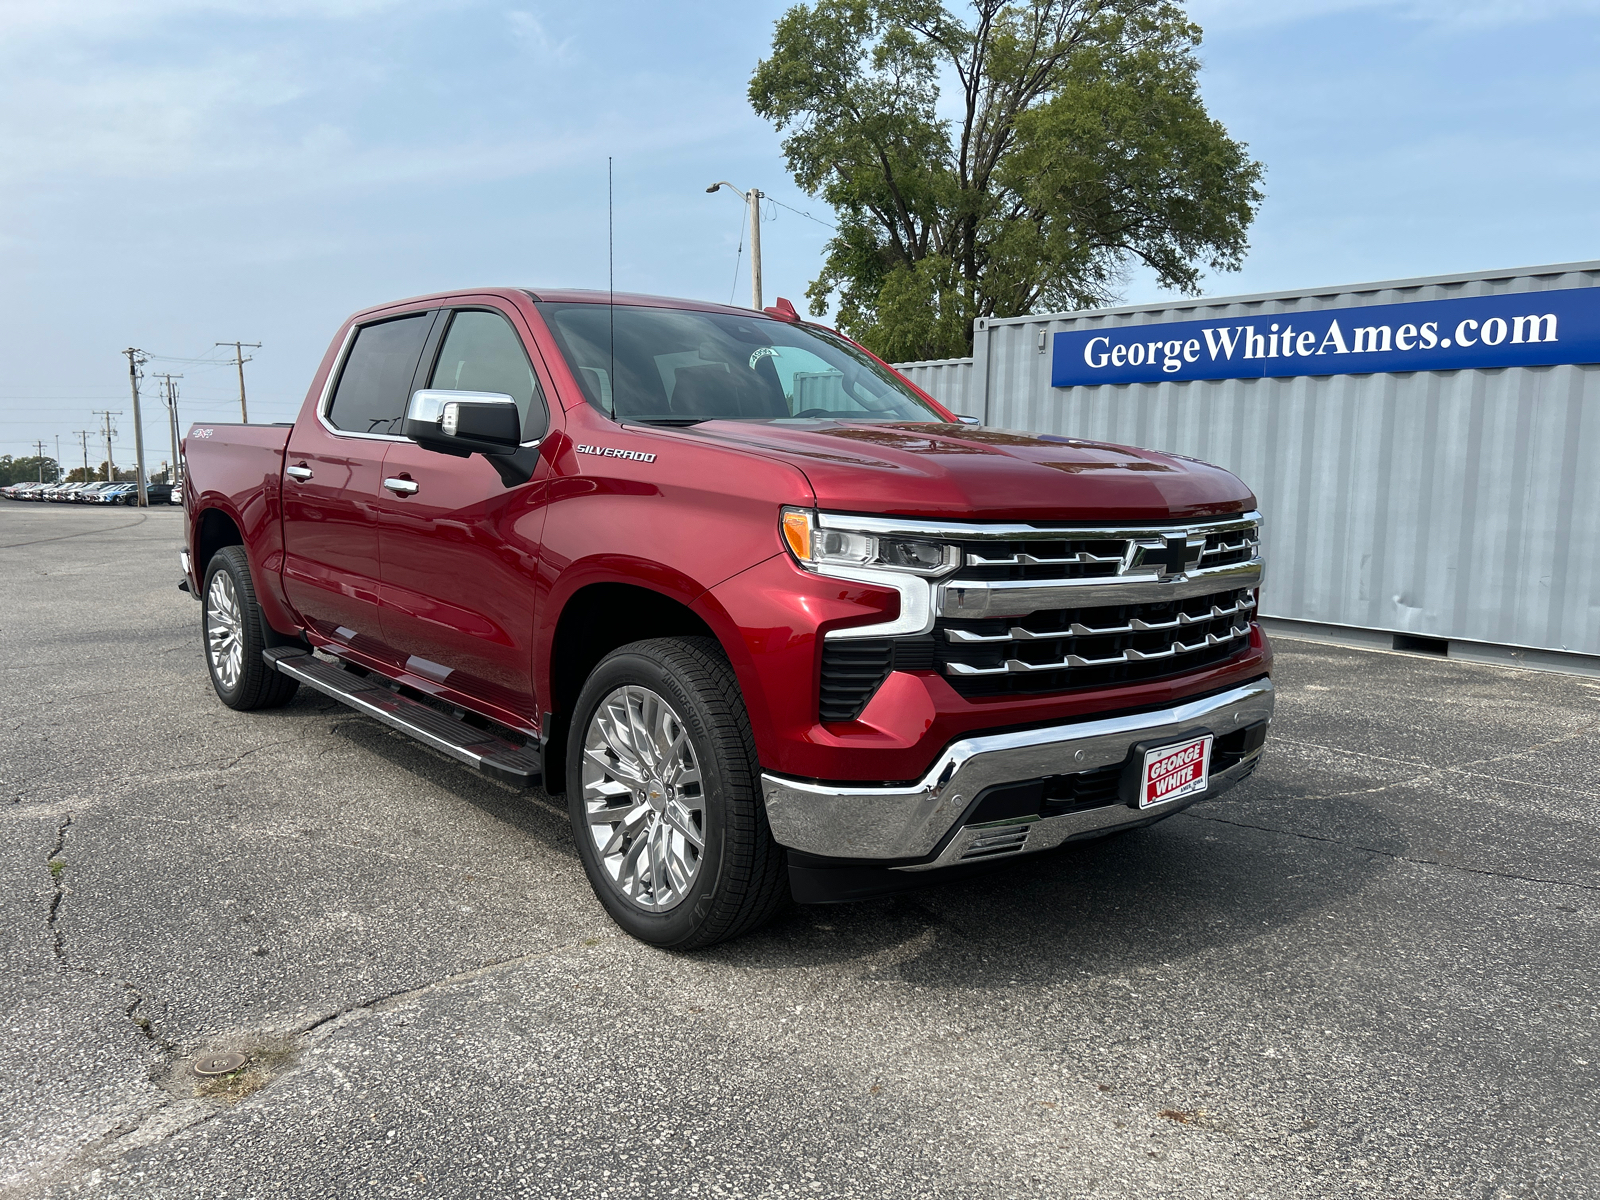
<point>680,924</point>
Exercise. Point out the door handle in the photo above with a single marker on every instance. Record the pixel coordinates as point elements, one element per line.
<point>299,474</point>
<point>401,487</point>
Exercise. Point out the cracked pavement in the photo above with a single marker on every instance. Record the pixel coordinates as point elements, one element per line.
<point>1369,971</point>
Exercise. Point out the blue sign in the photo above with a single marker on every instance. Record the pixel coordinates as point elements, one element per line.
<point>1526,329</point>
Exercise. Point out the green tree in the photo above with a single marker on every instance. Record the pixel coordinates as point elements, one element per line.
<point>26,470</point>
<point>1078,147</point>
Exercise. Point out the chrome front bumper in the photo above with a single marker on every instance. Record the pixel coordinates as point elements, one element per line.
<point>875,823</point>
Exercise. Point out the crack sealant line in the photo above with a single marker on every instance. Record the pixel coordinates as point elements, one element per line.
<point>334,1020</point>
<point>57,878</point>
<point>1421,862</point>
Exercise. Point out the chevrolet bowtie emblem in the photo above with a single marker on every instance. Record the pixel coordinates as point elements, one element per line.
<point>1171,557</point>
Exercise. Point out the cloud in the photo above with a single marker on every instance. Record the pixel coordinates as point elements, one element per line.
<point>531,32</point>
<point>112,18</point>
<point>1242,14</point>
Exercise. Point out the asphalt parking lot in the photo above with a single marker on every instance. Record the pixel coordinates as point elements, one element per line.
<point>1369,971</point>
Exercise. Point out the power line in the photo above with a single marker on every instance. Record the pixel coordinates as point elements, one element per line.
<point>737,259</point>
<point>798,213</point>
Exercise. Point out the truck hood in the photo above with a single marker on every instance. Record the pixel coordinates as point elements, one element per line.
<point>938,470</point>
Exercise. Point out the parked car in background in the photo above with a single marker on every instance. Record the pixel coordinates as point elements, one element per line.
<point>63,493</point>
<point>88,493</point>
<point>24,491</point>
<point>158,493</point>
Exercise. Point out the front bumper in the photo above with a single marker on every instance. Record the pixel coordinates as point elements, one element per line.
<point>923,824</point>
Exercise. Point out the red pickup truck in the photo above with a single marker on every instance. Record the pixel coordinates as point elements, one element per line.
<point>777,623</point>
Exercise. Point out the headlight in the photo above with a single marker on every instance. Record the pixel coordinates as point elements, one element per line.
<point>817,547</point>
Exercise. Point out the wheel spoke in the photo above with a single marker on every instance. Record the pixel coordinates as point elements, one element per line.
<point>630,863</point>
<point>619,835</point>
<point>679,820</point>
<point>644,744</point>
<point>659,883</point>
<point>618,737</point>
<point>626,771</point>
<point>677,869</point>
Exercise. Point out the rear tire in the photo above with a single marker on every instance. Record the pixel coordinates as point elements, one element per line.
<point>663,788</point>
<point>233,631</point>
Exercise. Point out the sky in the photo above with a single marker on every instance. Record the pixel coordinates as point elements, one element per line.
<point>182,172</point>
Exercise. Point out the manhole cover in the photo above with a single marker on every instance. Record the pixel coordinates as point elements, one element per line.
<point>218,1064</point>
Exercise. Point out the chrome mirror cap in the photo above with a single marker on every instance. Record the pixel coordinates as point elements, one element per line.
<point>428,405</point>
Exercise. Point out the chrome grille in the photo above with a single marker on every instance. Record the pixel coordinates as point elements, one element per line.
<point>1057,554</point>
<point>1041,560</point>
<point>1039,608</point>
<point>1072,648</point>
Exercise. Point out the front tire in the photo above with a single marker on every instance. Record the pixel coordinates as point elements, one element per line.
<point>663,789</point>
<point>233,630</point>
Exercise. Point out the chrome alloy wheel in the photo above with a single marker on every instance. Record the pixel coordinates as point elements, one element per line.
<point>643,797</point>
<point>224,634</point>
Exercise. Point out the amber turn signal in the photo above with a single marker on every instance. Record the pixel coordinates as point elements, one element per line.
<point>797,532</point>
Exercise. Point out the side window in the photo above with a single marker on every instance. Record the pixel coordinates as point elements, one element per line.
<point>482,353</point>
<point>376,380</point>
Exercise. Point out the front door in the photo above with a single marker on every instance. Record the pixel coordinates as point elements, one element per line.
<point>333,476</point>
<point>458,545</point>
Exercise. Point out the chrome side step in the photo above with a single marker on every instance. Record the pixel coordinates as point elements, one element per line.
<point>495,757</point>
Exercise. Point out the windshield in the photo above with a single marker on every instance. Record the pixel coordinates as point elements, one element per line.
<point>676,365</point>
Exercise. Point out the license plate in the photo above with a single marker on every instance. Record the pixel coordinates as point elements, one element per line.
<point>1175,770</point>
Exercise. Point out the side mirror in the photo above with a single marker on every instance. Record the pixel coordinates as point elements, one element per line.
<point>965,420</point>
<point>463,423</point>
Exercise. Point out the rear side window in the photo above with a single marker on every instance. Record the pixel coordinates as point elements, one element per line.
<point>482,353</point>
<point>376,381</point>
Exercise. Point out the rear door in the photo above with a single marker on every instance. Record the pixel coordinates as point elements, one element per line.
<point>459,544</point>
<point>333,476</point>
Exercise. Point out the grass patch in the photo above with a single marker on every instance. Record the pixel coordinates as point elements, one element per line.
<point>263,1064</point>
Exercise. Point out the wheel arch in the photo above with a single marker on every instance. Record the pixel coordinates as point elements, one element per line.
<point>213,529</point>
<point>595,620</point>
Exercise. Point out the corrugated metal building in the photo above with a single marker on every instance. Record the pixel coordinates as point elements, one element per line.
<point>1459,505</point>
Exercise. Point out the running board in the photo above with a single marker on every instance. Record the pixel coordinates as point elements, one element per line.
<point>495,757</point>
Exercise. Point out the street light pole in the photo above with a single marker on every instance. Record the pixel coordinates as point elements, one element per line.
<point>753,199</point>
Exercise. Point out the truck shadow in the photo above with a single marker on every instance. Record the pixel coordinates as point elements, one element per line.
<point>530,813</point>
<point>1178,889</point>
<point>1204,879</point>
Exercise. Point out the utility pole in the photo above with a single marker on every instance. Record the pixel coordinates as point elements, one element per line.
<point>111,467</point>
<point>58,459</point>
<point>239,360</point>
<point>166,378</point>
<point>83,436</point>
<point>136,359</point>
<point>40,447</point>
<point>753,199</point>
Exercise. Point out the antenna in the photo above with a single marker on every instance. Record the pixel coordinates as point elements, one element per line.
<point>611,289</point>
